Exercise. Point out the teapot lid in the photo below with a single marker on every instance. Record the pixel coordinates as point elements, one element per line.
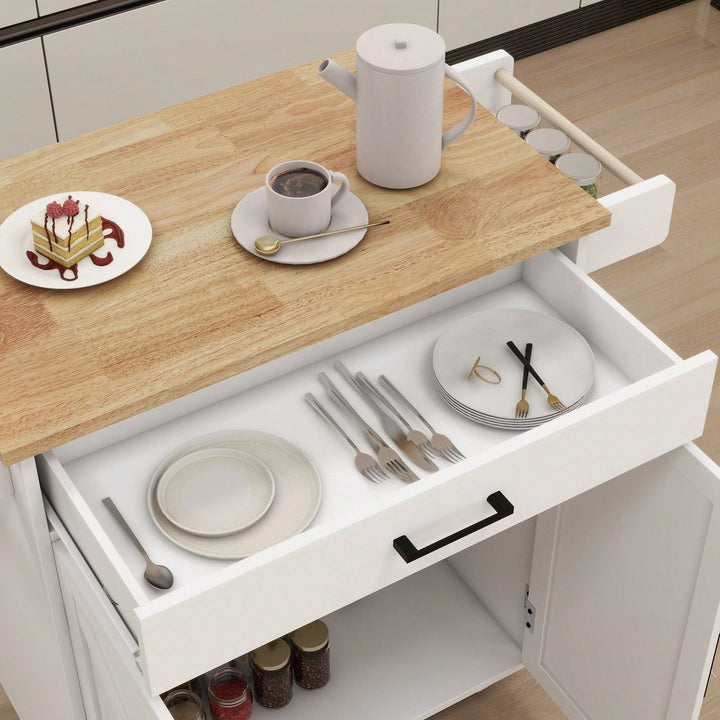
<point>400,48</point>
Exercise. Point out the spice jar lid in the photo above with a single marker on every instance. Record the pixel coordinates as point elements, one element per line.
<point>273,656</point>
<point>313,636</point>
<point>584,169</point>
<point>548,141</point>
<point>518,117</point>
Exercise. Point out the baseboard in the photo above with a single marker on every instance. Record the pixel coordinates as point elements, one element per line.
<point>565,28</point>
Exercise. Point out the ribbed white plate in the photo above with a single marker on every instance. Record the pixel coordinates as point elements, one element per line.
<point>297,495</point>
<point>216,491</point>
<point>561,356</point>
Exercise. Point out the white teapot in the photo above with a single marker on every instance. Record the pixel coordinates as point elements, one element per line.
<point>399,90</point>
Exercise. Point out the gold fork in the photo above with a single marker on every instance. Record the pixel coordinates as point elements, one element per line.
<point>553,400</point>
<point>523,407</point>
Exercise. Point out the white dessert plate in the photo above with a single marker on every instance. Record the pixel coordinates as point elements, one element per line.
<point>215,492</point>
<point>297,495</point>
<point>16,240</point>
<point>249,222</point>
<point>560,355</point>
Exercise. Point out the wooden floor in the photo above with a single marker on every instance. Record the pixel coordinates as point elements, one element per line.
<point>649,91</point>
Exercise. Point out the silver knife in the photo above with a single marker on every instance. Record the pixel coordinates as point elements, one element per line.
<point>408,440</point>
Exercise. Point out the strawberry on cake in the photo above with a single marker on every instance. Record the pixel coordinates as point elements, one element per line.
<point>67,232</point>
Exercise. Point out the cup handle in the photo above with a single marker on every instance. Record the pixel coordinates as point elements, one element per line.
<point>454,133</point>
<point>342,189</point>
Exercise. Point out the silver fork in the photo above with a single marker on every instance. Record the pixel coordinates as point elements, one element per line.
<point>440,443</point>
<point>387,457</point>
<point>412,442</point>
<point>364,462</point>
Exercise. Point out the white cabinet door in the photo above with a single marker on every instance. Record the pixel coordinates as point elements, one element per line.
<point>626,584</point>
<point>15,11</point>
<point>584,3</point>
<point>462,22</point>
<point>27,119</point>
<point>45,7</point>
<point>141,60</point>
<point>110,685</point>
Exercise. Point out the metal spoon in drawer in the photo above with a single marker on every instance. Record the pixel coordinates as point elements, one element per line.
<point>156,575</point>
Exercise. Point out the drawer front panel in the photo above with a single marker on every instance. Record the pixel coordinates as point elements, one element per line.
<point>638,410</point>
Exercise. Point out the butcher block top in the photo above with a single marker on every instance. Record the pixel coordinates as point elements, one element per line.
<point>199,308</point>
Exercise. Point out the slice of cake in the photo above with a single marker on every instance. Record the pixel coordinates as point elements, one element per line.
<point>67,232</point>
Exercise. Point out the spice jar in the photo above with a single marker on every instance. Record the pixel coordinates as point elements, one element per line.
<point>184,705</point>
<point>584,169</point>
<point>229,696</point>
<point>272,674</point>
<point>311,655</point>
<point>521,119</point>
<point>550,142</point>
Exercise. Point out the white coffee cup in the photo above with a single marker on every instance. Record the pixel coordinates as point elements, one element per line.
<point>307,208</point>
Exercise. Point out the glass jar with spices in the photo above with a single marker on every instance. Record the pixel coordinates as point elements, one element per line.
<point>229,696</point>
<point>550,142</point>
<point>584,169</point>
<point>521,119</point>
<point>272,674</point>
<point>184,705</point>
<point>311,655</point>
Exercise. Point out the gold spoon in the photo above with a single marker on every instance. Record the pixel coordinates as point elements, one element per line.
<point>269,244</point>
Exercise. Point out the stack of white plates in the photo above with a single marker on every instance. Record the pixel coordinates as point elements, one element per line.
<point>230,494</point>
<point>561,356</point>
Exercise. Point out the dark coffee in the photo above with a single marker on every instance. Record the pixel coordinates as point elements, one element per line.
<point>298,182</point>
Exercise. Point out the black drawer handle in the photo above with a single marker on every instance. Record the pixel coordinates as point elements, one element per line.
<point>499,503</point>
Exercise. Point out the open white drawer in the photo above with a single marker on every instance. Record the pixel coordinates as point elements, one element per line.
<point>645,401</point>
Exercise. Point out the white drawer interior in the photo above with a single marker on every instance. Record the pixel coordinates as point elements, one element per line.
<point>629,362</point>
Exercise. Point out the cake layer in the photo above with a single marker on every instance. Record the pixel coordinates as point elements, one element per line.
<point>95,242</point>
<point>63,228</point>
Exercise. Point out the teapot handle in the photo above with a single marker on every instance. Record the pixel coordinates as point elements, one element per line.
<point>454,133</point>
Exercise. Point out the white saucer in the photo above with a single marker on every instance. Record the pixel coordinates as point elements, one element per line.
<point>216,491</point>
<point>249,221</point>
<point>298,493</point>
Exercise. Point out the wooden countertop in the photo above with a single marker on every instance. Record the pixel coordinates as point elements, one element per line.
<point>199,309</point>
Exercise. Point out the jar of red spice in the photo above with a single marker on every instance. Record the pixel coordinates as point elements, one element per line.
<point>272,674</point>
<point>229,696</point>
<point>311,655</point>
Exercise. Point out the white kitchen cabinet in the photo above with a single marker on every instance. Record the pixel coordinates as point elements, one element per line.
<point>346,558</point>
<point>585,3</point>
<point>27,119</point>
<point>462,22</point>
<point>598,572</point>
<point>15,11</point>
<point>168,52</point>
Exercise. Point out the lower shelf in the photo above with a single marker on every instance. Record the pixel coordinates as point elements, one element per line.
<point>411,649</point>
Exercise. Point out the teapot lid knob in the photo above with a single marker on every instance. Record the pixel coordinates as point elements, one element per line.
<point>400,44</point>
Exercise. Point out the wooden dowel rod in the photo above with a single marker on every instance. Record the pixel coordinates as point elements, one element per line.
<point>547,111</point>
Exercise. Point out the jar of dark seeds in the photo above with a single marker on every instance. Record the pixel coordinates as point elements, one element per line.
<point>584,169</point>
<point>521,119</point>
<point>184,705</point>
<point>311,655</point>
<point>272,674</point>
<point>549,142</point>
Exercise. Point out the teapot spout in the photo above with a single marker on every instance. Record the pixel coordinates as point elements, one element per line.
<point>338,76</point>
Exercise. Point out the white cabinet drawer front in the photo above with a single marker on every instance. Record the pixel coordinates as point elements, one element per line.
<point>169,52</point>
<point>15,11</point>
<point>645,401</point>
